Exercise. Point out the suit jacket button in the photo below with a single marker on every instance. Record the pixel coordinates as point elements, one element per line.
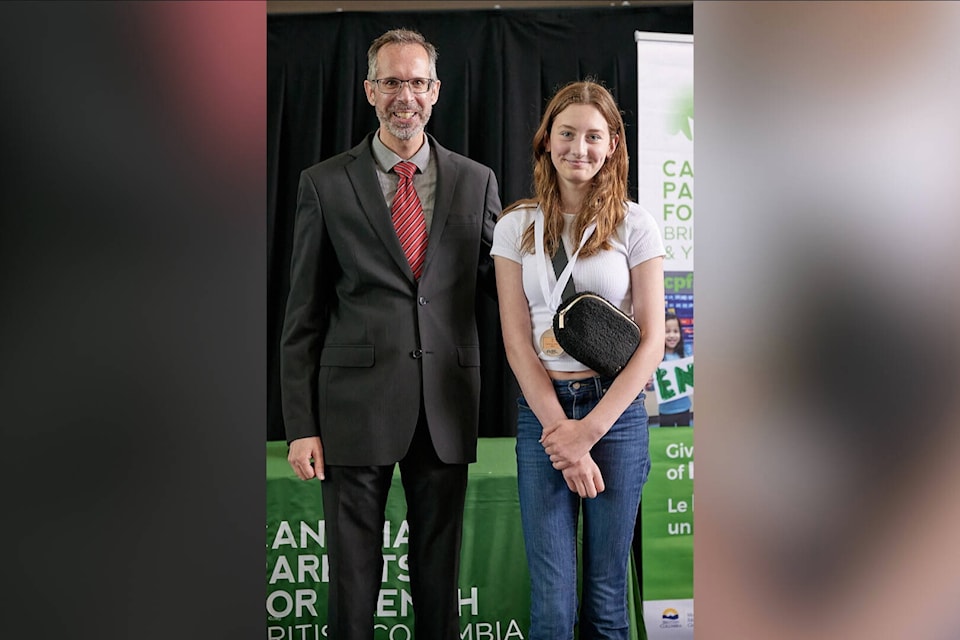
<point>417,353</point>
<point>421,300</point>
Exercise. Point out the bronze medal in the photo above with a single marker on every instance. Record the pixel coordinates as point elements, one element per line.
<point>549,345</point>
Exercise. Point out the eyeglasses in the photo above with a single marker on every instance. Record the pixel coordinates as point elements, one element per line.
<point>393,85</point>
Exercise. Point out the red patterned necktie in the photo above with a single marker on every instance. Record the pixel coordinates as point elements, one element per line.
<point>407,214</point>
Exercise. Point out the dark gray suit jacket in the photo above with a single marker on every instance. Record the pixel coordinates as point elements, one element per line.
<point>363,342</point>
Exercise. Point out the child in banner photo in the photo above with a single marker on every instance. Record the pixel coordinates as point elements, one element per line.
<point>675,413</point>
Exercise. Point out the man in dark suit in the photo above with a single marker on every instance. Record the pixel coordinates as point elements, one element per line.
<point>380,356</point>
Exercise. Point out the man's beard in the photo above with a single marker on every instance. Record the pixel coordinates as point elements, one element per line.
<point>400,132</point>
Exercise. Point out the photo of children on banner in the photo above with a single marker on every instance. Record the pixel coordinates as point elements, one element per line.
<point>673,379</point>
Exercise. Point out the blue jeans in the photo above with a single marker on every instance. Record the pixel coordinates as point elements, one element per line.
<point>550,514</point>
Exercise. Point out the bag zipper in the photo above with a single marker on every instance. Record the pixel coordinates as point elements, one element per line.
<point>596,297</point>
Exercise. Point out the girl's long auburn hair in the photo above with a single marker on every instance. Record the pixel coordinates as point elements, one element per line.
<point>605,201</point>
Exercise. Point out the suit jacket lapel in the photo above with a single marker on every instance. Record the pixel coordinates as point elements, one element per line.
<point>447,174</point>
<point>363,176</point>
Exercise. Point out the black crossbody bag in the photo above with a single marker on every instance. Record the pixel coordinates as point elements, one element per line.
<point>591,328</point>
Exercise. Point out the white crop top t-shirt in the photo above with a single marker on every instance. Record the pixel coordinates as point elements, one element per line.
<point>607,273</point>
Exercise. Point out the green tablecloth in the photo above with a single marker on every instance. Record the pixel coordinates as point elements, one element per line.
<point>494,583</point>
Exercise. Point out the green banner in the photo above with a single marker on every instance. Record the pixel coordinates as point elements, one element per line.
<point>667,531</point>
<point>494,586</point>
<point>494,582</point>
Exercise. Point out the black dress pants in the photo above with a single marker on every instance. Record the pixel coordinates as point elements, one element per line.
<point>354,505</point>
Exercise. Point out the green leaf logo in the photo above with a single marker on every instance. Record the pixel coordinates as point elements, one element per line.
<point>681,117</point>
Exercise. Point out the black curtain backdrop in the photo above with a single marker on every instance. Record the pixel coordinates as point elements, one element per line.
<point>498,68</point>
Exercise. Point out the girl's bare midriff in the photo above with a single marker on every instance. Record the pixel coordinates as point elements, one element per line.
<point>572,375</point>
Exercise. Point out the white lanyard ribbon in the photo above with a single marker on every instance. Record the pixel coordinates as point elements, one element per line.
<point>552,298</point>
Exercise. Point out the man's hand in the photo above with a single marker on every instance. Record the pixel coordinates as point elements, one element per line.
<point>306,458</point>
